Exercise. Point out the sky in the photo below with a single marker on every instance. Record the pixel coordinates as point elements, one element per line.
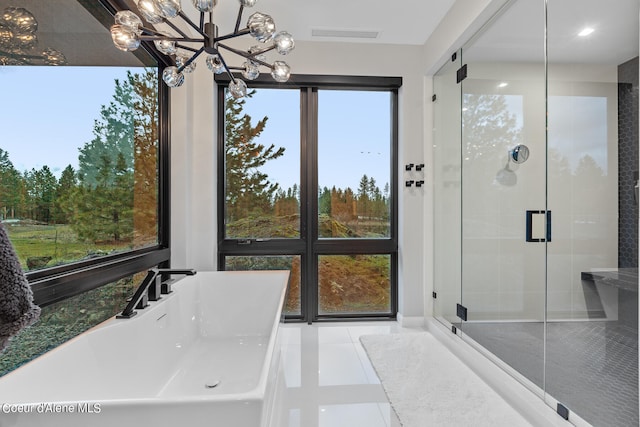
<point>48,113</point>
<point>349,145</point>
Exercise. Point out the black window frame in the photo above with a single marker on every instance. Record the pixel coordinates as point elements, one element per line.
<point>309,248</point>
<point>52,285</point>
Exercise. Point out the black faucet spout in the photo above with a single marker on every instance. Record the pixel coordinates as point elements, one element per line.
<point>140,294</point>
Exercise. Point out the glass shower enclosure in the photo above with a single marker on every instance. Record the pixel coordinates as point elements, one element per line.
<point>536,202</point>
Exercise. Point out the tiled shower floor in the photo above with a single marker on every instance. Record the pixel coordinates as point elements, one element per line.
<point>592,367</point>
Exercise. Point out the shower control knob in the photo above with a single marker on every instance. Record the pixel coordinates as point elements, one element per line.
<point>520,154</point>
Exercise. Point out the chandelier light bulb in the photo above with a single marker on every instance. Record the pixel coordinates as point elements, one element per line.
<point>53,57</point>
<point>204,5</point>
<point>169,8</point>
<point>18,40</point>
<point>20,20</point>
<point>150,11</point>
<point>130,20</point>
<point>6,37</point>
<point>261,26</point>
<point>25,41</point>
<point>181,59</point>
<point>238,89</point>
<point>251,70</point>
<point>172,77</point>
<point>248,3</point>
<point>214,64</point>
<point>284,42</point>
<point>281,71</point>
<point>168,47</point>
<point>124,39</point>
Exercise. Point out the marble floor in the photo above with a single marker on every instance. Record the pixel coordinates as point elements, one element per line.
<point>327,379</point>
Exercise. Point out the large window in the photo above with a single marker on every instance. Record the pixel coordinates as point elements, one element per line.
<point>83,168</point>
<point>83,182</point>
<point>307,184</point>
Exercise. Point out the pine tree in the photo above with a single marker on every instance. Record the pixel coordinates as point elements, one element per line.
<point>66,186</point>
<point>249,193</point>
<point>117,175</point>
<point>10,187</point>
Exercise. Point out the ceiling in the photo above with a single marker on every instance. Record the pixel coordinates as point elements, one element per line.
<point>67,26</point>
<point>398,22</point>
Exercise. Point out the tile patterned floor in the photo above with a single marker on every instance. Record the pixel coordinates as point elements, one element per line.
<point>592,367</point>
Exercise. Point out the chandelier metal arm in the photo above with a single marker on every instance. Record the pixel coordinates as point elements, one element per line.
<point>189,48</point>
<point>260,52</point>
<point>245,55</point>
<point>226,67</point>
<point>175,39</point>
<point>186,19</point>
<point>176,29</point>
<point>237,27</point>
<point>190,60</point>
<point>232,35</point>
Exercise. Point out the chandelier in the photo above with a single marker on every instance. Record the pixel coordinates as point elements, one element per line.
<point>18,40</point>
<point>128,32</point>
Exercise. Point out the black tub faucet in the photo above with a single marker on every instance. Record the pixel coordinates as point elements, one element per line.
<point>140,297</point>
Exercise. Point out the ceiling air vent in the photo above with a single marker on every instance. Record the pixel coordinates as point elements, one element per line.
<point>358,34</point>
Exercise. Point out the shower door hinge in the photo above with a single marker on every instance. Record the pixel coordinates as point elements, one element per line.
<point>461,312</point>
<point>433,98</point>
<point>461,74</point>
<point>434,295</point>
<point>563,411</point>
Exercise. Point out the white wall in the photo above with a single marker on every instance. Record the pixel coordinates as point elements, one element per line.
<point>193,173</point>
<point>193,214</point>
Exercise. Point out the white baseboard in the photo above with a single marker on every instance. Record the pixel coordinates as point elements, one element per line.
<point>410,321</point>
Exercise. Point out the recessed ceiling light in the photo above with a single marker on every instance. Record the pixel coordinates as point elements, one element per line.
<point>503,84</point>
<point>586,31</point>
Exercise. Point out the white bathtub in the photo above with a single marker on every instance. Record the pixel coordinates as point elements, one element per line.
<point>156,368</point>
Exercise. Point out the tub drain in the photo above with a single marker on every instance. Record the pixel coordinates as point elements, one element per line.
<point>212,384</point>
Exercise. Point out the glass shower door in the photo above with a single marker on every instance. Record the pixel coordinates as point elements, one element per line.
<point>504,215</point>
<point>592,281</point>
<point>447,187</point>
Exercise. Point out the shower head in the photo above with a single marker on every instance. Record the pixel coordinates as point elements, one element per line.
<point>507,176</point>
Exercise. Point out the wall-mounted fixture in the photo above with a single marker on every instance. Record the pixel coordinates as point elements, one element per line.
<point>419,183</point>
<point>507,176</point>
<point>18,40</point>
<point>128,32</point>
<point>519,154</point>
<point>409,183</point>
<point>408,167</point>
<point>420,167</point>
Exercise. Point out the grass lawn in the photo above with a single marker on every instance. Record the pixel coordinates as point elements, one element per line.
<point>57,242</point>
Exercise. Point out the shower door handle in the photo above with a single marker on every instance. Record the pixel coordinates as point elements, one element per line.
<point>538,226</point>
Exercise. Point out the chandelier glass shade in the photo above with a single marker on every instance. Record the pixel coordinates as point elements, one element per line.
<point>19,41</point>
<point>128,32</point>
